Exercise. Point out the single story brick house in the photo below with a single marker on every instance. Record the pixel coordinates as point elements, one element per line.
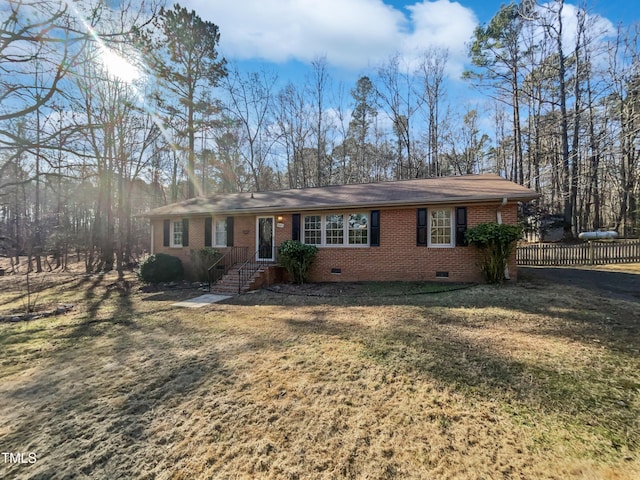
<point>411,230</point>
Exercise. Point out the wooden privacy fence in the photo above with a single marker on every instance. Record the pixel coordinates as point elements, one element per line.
<point>589,253</point>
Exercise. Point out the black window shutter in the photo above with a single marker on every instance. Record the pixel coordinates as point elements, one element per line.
<point>421,224</point>
<point>461,226</point>
<point>229,231</point>
<point>166,232</point>
<point>295,226</point>
<point>375,228</point>
<point>185,232</point>
<point>207,232</point>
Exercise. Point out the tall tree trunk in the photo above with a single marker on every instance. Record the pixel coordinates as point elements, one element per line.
<point>592,202</point>
<point>191,162</point>
<point>564,130</point>
<point>517,133</point>
<point>575,154</point>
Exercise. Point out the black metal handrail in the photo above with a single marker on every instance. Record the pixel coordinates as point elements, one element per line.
<point>222,266</point>
<point>249,267</point>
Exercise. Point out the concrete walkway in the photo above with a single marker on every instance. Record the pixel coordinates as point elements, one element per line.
<point>201,301</point>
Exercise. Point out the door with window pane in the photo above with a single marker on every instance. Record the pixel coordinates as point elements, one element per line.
<point>265,234</point>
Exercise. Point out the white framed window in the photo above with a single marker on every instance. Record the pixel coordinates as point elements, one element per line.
<point>312,230</point>
<point>441,227</point>
<point>220,232</point>
<point>336,229</point>
<point>176,233</point>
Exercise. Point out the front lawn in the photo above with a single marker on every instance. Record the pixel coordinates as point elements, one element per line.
<point>524,381</point>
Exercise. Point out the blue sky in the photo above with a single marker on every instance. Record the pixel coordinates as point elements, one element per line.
<point>357,35</point>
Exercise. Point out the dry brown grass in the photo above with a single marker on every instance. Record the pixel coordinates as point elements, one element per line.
<point>619,267</point>
<point>524,381</point>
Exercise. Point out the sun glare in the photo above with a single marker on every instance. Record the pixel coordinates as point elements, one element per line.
<point>117,66</point>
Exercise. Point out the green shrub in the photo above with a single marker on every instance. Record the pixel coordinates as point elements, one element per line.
<point>497,242</point>
<point>161,267</point>
<point>297,258</point>
<point>202,259</point>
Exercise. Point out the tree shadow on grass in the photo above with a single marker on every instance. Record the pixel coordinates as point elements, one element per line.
<point>82,390</point>
<point>96,293</point>
<point>569,313</point>
<point>93,415</point>
<point>577,395</point>
<point>433,340</point>
<point>317,322</point>
<point>39,286</point>
<point>449,347</point>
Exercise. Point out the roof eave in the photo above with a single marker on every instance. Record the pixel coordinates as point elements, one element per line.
<point>370,205</point>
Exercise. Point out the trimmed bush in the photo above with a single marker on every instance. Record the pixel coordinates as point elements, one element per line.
<point>496,241</point>
<point>161,267</point>
<point>297,258</point>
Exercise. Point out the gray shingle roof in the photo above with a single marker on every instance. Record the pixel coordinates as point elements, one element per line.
<point>439,190</point>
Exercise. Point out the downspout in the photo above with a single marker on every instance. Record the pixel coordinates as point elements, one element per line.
<point>499,220</point>
<point>151,249</point>
<point>498,211</point>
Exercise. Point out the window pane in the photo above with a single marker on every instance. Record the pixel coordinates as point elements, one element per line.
<point>358,229</point>
<point>334,227</point>
<point>313,230</point>
<point>440,227</point>
<point>177,233</point>
<point>221,232</point>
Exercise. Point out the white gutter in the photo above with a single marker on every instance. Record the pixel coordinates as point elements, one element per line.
<point>499,220</point>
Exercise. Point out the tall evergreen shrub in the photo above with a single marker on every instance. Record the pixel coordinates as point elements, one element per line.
<point>497,242</point>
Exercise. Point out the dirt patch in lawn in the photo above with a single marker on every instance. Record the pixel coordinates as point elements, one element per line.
<point>521,381</point>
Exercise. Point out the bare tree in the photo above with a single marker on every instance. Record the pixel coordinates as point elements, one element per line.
<point>320,82</point>
<point>294,132</point>
<point>401,98</point>
<point>432,69</point>
<point>250,104</point>
<point>467,145</point>
<point>626,107</point>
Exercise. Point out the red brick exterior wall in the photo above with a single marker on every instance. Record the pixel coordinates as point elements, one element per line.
<point>244,236</point>
<point>398,258</point>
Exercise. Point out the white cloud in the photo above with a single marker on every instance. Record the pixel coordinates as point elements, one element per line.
<point>351,33</point>
<point>597,26</point>
<point>442,24</point>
